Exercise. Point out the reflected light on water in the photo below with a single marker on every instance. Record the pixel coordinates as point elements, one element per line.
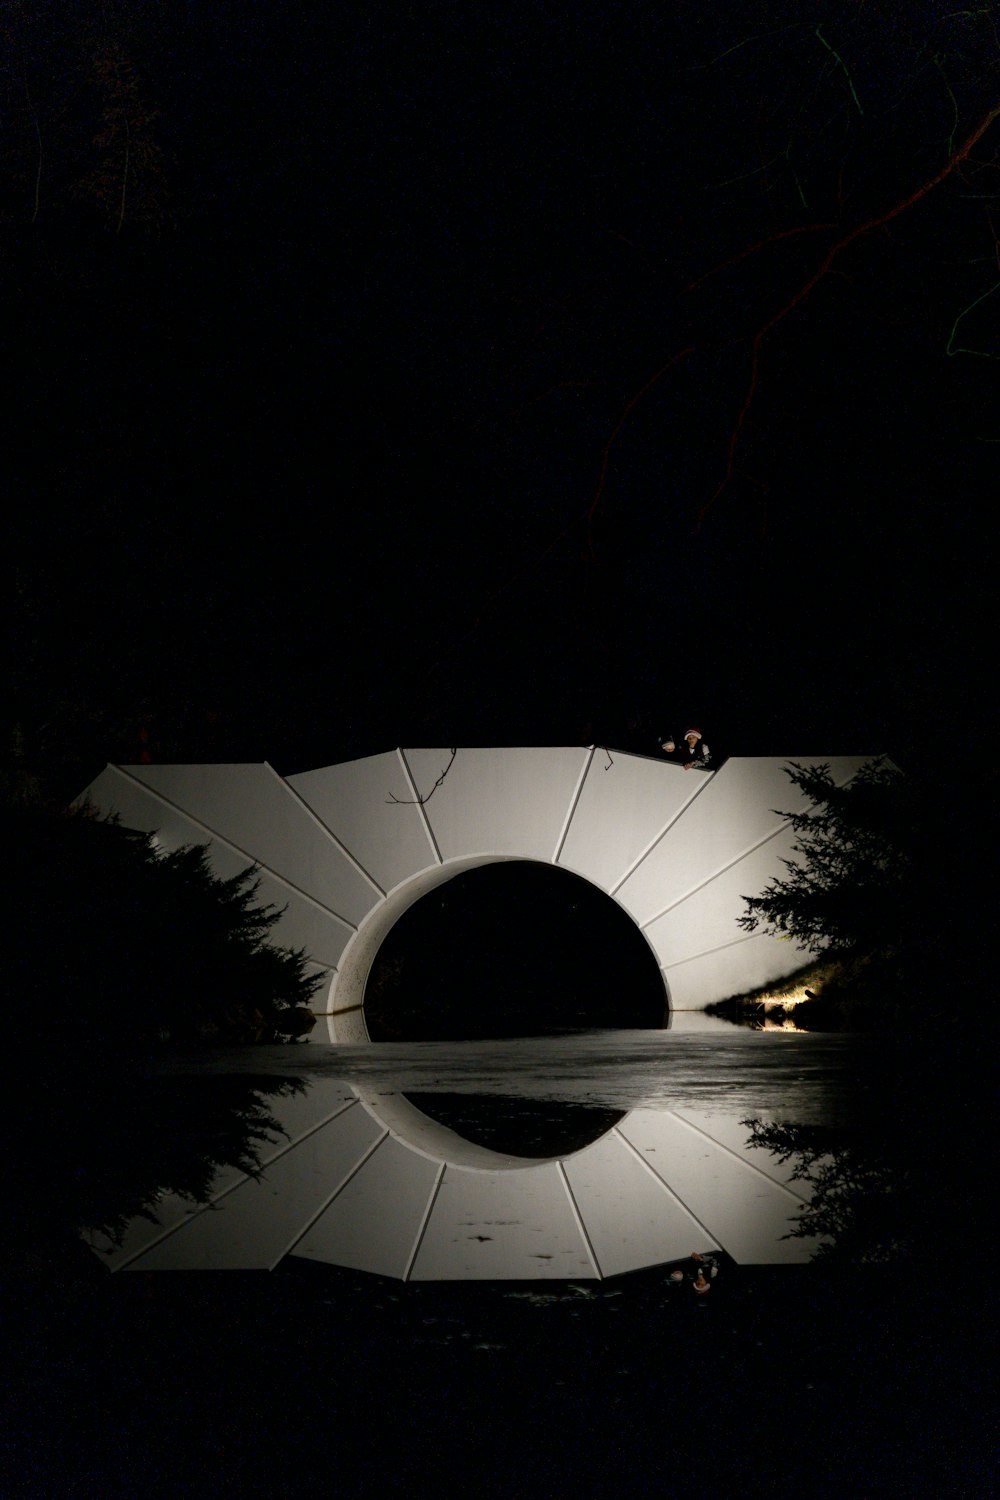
<point>362,1178</point>
<point>810,1077</point>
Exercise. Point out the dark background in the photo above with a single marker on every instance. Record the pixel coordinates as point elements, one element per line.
<point>453,373</point>
<point>387,396</point>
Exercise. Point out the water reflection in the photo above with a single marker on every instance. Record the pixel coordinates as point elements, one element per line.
<point>864,1201</point>
<point>365,1177</point>
<point>530,1129</point>
<point>810,1077</point>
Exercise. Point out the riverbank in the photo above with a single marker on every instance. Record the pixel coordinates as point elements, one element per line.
<point>815,997</point>
<point>786,1381</point>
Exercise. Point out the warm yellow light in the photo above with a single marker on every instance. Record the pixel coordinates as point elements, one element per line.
<point>785,1000</point>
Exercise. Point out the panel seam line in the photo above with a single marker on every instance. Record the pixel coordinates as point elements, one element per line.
<point>325,828</point>
<point>214,834</point>
<point>574,804</point>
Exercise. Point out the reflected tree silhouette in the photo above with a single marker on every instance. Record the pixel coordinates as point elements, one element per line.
<point>865,1201</point>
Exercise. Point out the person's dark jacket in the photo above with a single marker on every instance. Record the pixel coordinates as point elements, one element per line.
<point>700,759</point>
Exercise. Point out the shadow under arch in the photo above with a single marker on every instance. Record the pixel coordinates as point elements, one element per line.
<point>345,1008</point>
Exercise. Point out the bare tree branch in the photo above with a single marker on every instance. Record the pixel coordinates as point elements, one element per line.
<point>419,801</point>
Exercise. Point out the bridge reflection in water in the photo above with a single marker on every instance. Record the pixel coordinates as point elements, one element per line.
<point>368,1178</point>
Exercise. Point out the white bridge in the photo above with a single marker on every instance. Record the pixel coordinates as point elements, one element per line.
<point>372,1183</point>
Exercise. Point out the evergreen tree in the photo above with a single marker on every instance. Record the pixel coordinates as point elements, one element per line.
<point>151,945</point>
<point>882,881</point>
<point>843,894</point>
<point>128,180</point>
<point>119,953</point>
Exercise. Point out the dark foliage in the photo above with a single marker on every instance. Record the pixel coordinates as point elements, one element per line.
<point>906,1183</point>
<point>129,953</point>
<point>143,947</point>
<point>865,1207</point>
<point>845,893</point>
<point>874,886</point>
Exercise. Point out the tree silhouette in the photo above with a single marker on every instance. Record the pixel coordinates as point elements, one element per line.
<point>871,885</point>
<point>844,895</point>
<point>123,954</point>
<point>128,179</point>
<point>865,1207</point>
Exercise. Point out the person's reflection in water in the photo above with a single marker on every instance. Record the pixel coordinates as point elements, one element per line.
<point>701,1287</point>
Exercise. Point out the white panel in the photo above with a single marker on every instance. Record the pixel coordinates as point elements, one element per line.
<point>735,812</point>
<point>502,1226</point>
<point>707,919</point>
<point>112,792</point>
<point>296,1114</point>
<point>374,1223</point>
<point>499,801</point>
<point>744,965</point>
<point>622,809</point>
<point>355,800</point>
<point>745,1211</point>
<point>729,1132</point>
<point>301,924</point>
<point>632,1220</point>
<point>251,807</point>
<point>258,1222</point>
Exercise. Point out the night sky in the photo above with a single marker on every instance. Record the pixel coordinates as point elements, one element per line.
<point>454,373</point>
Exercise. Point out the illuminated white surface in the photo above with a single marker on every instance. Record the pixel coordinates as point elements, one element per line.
<point>344,851</point>
<point>348,1192</point>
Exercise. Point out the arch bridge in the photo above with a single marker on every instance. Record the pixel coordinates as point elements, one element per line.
<point>344,851</point>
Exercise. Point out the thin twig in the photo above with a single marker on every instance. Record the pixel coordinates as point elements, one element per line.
<point>419,801</point>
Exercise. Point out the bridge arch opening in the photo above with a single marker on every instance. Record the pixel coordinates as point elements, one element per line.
<point>515,948</point>
<point>491,949</point>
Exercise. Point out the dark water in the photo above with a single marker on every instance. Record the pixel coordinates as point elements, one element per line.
<point>793,1382</point>
<point>804,1077</point>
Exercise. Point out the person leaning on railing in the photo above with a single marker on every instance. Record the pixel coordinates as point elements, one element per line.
<point>699,757</point>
